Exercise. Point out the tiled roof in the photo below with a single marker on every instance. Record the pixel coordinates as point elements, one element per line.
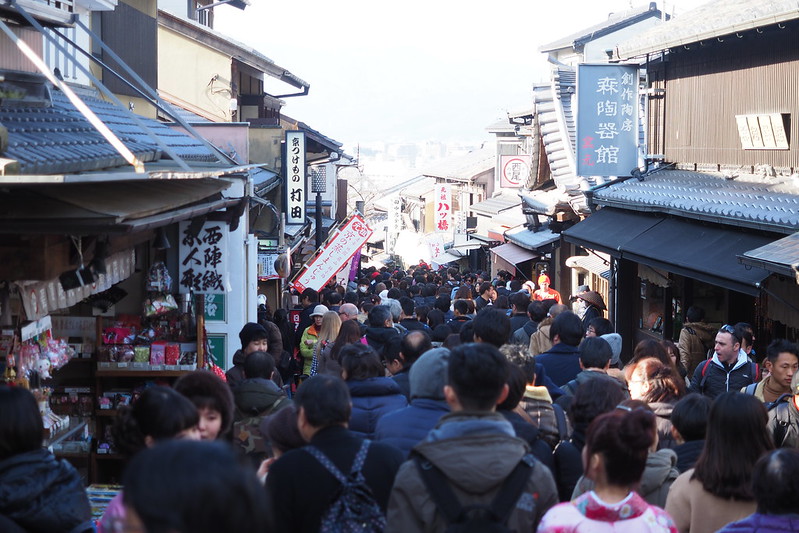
<point>766,203</point>
<point>497,204</point>
<point>614,22</point>
<point>58,139</point>
<point>713,19</point>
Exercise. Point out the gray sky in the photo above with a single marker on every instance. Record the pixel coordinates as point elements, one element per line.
<point>414,70</point>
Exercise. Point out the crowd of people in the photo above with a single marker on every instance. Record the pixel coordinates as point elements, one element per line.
<point>422,400</point>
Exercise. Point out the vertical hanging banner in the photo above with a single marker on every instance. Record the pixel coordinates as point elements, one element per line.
<point>607,120</point>
<point>443,207</point>
<point>203,258</point>
<point>295,177</point>
<point>336,252</point>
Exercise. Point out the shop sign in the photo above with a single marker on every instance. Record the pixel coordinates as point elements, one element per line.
<point>215,307</point>
<point>40,298</point>
<point>763,132</point>
<point>266,266</point>
<point>295,177</point>
<point>443,207</point>
<point>607,120</point>
<point>217,349</point>
<point>203,259</point>
<point>337,251</point>
<point>515,170</point>
<point>436,242</point>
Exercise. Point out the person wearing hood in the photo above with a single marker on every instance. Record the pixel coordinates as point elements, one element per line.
<point>255,398</point>
<point>37,491</point>
<point>254,338</point>
<point>373,394</point>
<point>696,339</point>
<point>310,337</point>
<point>407,427</point>
<point>473,448</point>
<point>728,370</point>
<point>659,472</point>
<point>380,328</point>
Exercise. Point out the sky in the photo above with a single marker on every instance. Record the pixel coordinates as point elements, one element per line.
<point>416,70</point>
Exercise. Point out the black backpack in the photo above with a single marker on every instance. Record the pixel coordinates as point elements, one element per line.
<point>491,518</point>
<point>353,508</point>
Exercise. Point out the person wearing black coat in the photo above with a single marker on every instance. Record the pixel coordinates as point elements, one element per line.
<point>37,491</point>
<point>300,487</point>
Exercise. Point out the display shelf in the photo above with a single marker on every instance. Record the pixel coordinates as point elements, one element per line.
<point>105,412</point>
<point>64,435</point>
<point>109,456</point>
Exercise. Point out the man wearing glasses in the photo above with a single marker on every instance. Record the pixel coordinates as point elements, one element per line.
<point>728,369</point>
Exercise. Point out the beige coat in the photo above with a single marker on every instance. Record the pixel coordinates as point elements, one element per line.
<point>695,510</point>
<point>539,340</point>
<point>696,338</point>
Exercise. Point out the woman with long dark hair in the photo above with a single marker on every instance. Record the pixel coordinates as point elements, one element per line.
<point>718,490</point>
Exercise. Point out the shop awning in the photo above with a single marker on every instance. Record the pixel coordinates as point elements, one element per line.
<point>609,229</point>
<point>703,252</point>
<point>108,207</point>
<point>595,264</point>
<point>513,254</point>
<point>706,253</point>
<point>777,256</point>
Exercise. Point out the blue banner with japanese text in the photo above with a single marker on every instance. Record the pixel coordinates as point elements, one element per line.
<point>607,120</point>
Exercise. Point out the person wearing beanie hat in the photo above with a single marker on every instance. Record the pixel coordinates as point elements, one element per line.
<point>614,339</point>
<point>545,292</point>
<point>254,338</point>
<point>407,427</point>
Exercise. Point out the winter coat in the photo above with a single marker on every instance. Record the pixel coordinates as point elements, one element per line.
<point>377,338</point>
<point>407,427</point>
<point>522,335</point>
<point>695,510</point>
<point>533,437</point>
<point>537,403</point>
<point>539,340</point>
<point>590,515</point>
<point>591,312</point>
<point>783,423</point>
<point>696,339</point>
<point>403,379</point>
<point>764,523</point>
<point>306,351</point>
<point>42,494</point>
<point>659,474</point>
<point>258,396</point>
<point>301,489</point>
<point>373,398</point>
<point>717,378</point>
<point>663,412</point>
<point>328,365</point>
<point>457,323</point>
<point>412,324</point>
<point>476,451</point>
<point>688,453</point>
<point>562,363</point>
<point>518,320</point>
<point>570,388</point>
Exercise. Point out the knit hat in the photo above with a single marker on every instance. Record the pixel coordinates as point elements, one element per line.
<point>543,278</point>
<point>319,310</point>
<point>614,339</point>
<point>428,374</point>
<point>252,332</point>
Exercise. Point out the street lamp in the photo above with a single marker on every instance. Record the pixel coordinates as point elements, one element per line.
<point>319,185</point>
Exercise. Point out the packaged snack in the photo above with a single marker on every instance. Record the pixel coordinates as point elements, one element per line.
<point>158,353</point>
<point>141,354</point>
<point>172,353</point>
